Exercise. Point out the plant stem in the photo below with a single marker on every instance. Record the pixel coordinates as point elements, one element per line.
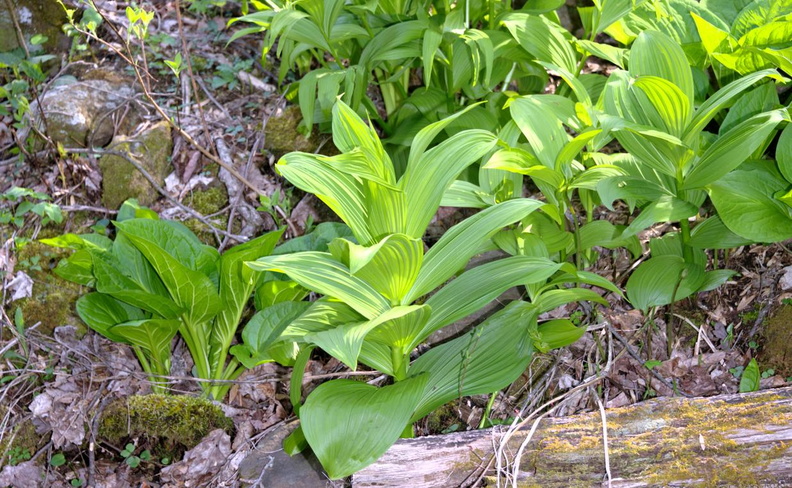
<point>687,251</point>
<point>399,364</point>
<point>295,383</point>
<point>487,411</point>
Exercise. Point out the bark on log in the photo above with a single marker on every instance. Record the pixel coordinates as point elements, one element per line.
<point>727,440</point>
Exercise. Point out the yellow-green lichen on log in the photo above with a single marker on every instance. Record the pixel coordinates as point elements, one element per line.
<point>172,423</point>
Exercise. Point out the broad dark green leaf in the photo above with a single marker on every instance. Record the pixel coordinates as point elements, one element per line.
<point>746,204</point>
<point>102,312</point>
<point>663,280</point>
<point>485,360</point>
<point>350,424</point>
<point>191,290</point>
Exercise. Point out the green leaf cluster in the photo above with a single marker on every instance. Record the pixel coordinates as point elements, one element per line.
<point>156,280</point>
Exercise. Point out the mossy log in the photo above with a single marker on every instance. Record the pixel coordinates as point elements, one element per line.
<point>727,440</point>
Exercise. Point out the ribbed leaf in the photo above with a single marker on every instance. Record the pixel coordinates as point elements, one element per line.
<point>720,100</point>
<point>264,329</point>
<point>482,284</point>
<point>341,192</point>
<point>667,101</point>
<point>745,203</point>
<point>654,53</point>
<point>452,252</point>
<point>390,266</point>
<point>734,147</point>
<point>543,39</point>
<point>713,234</point>
<point>666,209</point>
<point>426,180</point>
<point>323,314</point>
<point>351,133</point>
<point>350,424</point>
<point>663,280</point>
<point>558,333</point>
<point>344,341</point>
<point>487,359</point>
<point>784,152</point>
<point>540,126</point>
<point>319,272</point>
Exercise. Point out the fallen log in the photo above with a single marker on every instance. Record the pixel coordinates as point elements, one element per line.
<point>727,440</point>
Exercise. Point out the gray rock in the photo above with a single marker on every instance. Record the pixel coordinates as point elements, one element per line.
<point>33,17</point>
<point>85,113</point>
<point>268,465</point>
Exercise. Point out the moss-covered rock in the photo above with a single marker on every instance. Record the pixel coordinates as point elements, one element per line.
<point>33,17</point>
<point>282,135</point>
<point>120,180</point>
<point>207,202</point>
<point>20,442</point>
<point>169,423</point>
<point>52,301</point>
<point>777,350</point>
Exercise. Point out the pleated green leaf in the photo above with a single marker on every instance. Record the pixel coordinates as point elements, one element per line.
<point>733,148</point>
<point>559,333</point>
<point>322,314</point>
<point>541,127</point>
<point>426,180</point>
<point>745,203</point>
<point>344,341</point>
<point>719,100</point>
<point>784,153</point>
<point>663,280</point>
<point>713,234</point>
<point>542,38</point>
<point>264,329</point>
<point>391,266</point>
<point>662,98</point>
<point>321,273</point>
<point>462,241</point>
<point>655,54</point>
<point>341,192</point>
<point>485,360</point>
<point>482,284</point>
<point>350,424</point>
<point>665,209</point>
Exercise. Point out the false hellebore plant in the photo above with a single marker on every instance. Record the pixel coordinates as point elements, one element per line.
<point>378,303</point>
<point>156,279</point>
<point>675,163</point>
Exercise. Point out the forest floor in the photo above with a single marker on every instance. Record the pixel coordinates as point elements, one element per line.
<point>56,379</point>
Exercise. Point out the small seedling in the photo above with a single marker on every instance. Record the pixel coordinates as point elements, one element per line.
<point>132,460</point>
<point>57,460</point>
<point>768,373</point>
<point>17,455</point>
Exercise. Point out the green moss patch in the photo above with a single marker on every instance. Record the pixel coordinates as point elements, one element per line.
<point>168,423</point>
<point>777,350</point>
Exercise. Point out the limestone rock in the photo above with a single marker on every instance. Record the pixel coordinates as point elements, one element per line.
<point>120,180</point>
<point>85,113</point>
<point>269,465</point>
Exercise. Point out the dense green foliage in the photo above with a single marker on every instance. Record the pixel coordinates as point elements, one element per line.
<point>691,128</point>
